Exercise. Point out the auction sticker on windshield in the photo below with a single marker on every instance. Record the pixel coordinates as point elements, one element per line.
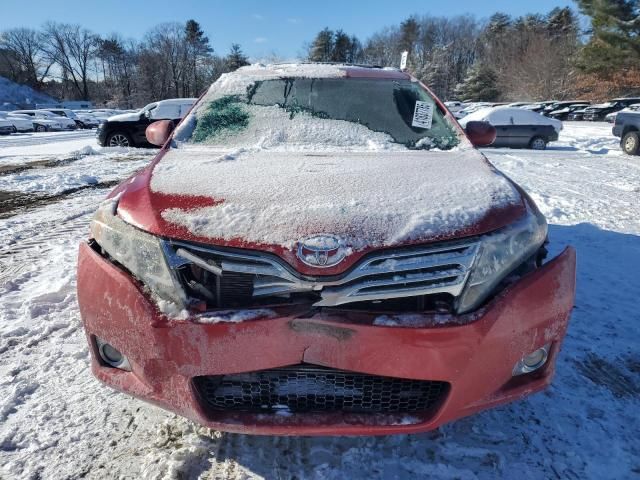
<point>422,115</point>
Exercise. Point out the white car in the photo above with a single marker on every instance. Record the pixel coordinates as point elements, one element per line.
<point>6,127</point>
<point>455,106</point>
<point>64,122</point>
<point>81,121</point>
<point>470,108</point>
<point>516,127</point>
<point>22,123</point>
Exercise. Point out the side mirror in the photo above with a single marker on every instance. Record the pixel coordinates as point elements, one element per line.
<point>480,134</point>
<point>159,132</point>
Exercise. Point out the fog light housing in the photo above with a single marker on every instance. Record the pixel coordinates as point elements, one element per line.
<point>533,361</point>
<point>112,356</point>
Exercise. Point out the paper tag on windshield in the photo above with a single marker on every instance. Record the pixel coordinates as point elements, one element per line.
<point>422,115</point>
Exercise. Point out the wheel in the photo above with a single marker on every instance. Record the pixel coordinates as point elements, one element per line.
<point>41,128</point>
<point>630,143</point>
<point>538,143</point>
<point>118,139</point>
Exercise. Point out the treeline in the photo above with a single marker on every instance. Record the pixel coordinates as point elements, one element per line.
<point>71,62</point>
<point>532,57</point>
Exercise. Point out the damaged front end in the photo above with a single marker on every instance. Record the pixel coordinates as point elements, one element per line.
<point>446,278</point>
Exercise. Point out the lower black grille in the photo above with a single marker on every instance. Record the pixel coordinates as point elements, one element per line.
<point>308,388</point>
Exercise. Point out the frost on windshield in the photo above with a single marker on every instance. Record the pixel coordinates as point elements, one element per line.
<point>224,114</point>
<point>312,112</point>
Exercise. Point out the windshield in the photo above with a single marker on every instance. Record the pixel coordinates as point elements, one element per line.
<point>319,113</point>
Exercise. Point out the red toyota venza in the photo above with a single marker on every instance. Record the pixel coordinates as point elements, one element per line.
<point>319,250</point>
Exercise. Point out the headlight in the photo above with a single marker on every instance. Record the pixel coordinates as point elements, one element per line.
<point>500,253</point>
<point>137,251</point>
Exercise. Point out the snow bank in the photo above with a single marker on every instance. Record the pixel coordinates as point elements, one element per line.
<point>280,197</point>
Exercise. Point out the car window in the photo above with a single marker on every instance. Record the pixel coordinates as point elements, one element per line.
<point>165,111</point>
<point>321,112</point>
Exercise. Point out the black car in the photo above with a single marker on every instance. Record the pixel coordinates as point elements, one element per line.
<point>538,107</point>
<point>564,110</point>
<point>577,114</point>
<point>552,107</point>
<point>128,129</point>
<point>596,113</point>
<point>627,128</point>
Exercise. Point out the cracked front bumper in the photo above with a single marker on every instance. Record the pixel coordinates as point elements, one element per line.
<point>475,358</point>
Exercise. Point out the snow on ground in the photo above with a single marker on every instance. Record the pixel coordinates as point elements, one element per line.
<point>56,421</point>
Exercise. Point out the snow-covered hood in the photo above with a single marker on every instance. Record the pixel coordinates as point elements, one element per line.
<point>273,200</point>
<point>125,117</point>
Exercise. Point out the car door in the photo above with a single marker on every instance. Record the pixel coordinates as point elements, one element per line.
<point>500,120</point>
<point>138,128</point>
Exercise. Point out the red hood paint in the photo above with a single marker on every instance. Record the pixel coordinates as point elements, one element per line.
<point>142,207</point>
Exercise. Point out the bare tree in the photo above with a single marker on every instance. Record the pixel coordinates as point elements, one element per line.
<point>24,50</point>
<point>72,48</point>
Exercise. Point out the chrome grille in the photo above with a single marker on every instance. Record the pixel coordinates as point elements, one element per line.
<point>308,388</point>
<point>383,275</point>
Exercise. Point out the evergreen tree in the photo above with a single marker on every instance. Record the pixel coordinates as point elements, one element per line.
<point>321,49</point>
<point>562,21</point>
<point>499,23</point>
<point>197,50</point>
<point>409,34</point>
<point>615,35</point>
<point>341,47</point>
<point>479,86</point>
<point>236,58</point>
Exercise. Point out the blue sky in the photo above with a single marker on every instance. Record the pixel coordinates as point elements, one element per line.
<point>261,27</point>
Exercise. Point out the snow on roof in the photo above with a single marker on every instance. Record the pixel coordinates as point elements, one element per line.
<point>367,198</point>
<point>236,82</point>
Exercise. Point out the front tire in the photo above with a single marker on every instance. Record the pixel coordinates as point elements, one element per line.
<point>538,143</point>
<point>630,143</point>
<point>41,128</point>
<point>118,139</point>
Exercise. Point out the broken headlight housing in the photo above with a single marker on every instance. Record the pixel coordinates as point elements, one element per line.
<point>139,252</point>
<point>501,253</point>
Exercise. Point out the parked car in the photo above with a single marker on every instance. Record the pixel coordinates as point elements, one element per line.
<point>563,112</point>
<point>22,123</point>
<point>128,129</point>
<point>611,117</point>
<point>577,114</point>
<point>88,121</point>
<point>552,107</point>
<point>627,128</point>
<point>261,290</point>
<point>39,123</point>
<point>539,106</point>
<point>518,128</point>
<point>83,122</point>
<point>599,112</point>
<point>6,127</point>
<point>64,123</point>
<point>455,106</point>
<point>470,108</point>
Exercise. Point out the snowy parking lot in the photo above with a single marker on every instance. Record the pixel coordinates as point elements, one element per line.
<point>58,422</point>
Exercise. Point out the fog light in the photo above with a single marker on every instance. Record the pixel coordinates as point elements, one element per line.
<point>533,361</point>
<point>112,356</point>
